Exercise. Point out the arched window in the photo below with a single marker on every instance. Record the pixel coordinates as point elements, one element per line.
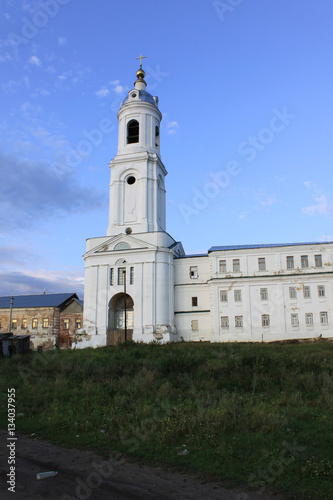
<point>132,132</point>
<point>157,137</point>
<point>122,246</point>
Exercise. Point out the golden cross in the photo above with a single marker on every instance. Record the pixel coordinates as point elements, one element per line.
<point>141,57</point>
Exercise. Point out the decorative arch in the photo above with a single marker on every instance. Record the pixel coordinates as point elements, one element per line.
<point>121,318</point>
<point>123,245</point>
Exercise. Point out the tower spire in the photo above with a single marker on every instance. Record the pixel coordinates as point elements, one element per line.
<point>141,57</point>
<point>140,83</point>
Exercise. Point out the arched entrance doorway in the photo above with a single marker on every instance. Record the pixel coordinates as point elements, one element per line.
<point>121,319</point>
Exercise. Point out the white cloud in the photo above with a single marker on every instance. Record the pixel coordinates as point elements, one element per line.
<point>327,238</point>
<point>115,82</point>
<point>35,60</point>
<point>102,92</point>
<point>322,205</point>
<point>172,124</point>
<point>119,89</point>
<point>62,40</point>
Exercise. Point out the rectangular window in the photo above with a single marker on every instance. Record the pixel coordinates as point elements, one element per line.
<point>24,323</point>
<point>323,318</point>
<point>309,319</point>
<point>225,322</point>
<point>121,275</point>
<point>262,264</point>
<point>264,293</point>
<point>66,324</point>
<point>111,277</point>
<point>194,272</point>
<point>321,291</point>
<point>304,261</point>
<point>132,276</point>
<point>194,301</point>
<point>290,262</point>
<point>238,321</point>
<point>224,295</point>
<point>238,295</point>
<point>223,266</point>
<point>236,265</point>
<point>294,319</point>
<point>292,292</point>
<point>45,323</point>
<point>265,320</point>
<point>318,261</point>
<point>34,323</point>
<point>307,292</point>
<point>77,324</point>
<point>194,325</point>
<point>14,324</point>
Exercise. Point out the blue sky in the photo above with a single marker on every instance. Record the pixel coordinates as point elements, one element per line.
<point>245,88</point>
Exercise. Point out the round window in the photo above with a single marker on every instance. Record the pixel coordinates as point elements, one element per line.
<point>133,95</point>
<point>131,180</point>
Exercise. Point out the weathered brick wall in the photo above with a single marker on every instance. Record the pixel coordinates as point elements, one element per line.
<point>44,336</point>
<point>70,319</point>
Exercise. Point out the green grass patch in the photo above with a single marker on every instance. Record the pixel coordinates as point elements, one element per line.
<point>255,413</point>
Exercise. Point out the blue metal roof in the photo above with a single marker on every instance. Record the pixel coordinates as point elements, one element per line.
<point>43,300</point>
<point>193,255</point>
<point>243,247</point>
<point>143,96</point>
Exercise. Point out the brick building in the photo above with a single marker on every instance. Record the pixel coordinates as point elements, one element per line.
<point>50,319</point>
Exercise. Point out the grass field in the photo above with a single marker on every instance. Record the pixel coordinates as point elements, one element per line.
<point>255,413</point>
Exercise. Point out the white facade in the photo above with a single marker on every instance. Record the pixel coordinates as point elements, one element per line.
<point>139,284</point>
<point>256,293</point>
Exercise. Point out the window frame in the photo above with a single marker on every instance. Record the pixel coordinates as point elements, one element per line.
<point>225,322</point>
<point>323,316</point>
<point>133,125</point>
<point>318,258</point>
<point>261,263</point>
<point>321,291</point>
<point>265,320</point>
<point>264,295</point>
<point>45,323</point>
<point>194,274</point>
<point>224,293</point>
<point>290,262</point>
<point>304,260</point>
<point>293,292</point>
<point>121,276</point>
<point>236,265</point>
<point>307,292</point>
<point>238,321</point>
<point>294,319</point>
<point>222,266</point>
<point>307,317</point>
<point>132,275</point>
<point>238,295</point>
<point>65,323</point>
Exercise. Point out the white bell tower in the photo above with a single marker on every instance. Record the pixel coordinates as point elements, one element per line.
<point>129,273</point>
<point>137,189</point>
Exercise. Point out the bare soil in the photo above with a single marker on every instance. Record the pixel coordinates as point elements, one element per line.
<point>86,476</point>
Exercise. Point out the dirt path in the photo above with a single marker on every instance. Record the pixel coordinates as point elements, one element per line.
<point>85,476</point>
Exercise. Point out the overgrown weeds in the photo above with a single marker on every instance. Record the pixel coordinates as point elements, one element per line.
<point>238,408</point>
